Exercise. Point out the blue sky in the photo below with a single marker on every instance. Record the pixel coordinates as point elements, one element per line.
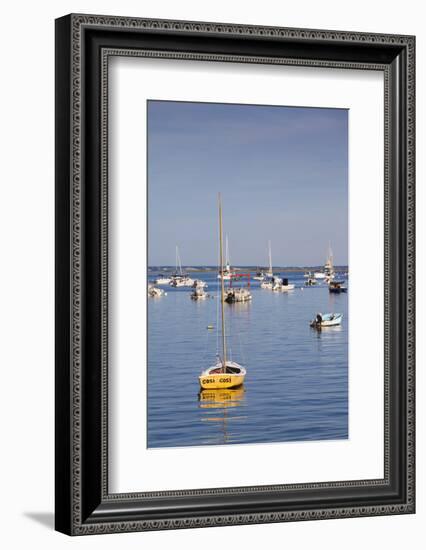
<point>282,172</point>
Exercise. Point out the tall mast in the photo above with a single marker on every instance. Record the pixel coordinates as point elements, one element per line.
<point>270,257</point>
<point>178,262</point>
<point>226,251</point>
<point>222,294</point>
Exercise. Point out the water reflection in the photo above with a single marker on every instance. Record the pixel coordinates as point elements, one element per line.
<point>218,409</point>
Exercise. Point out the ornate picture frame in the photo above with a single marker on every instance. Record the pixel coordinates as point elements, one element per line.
<point>84,45</point>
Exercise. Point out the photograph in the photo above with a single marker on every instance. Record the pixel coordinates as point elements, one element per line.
<point>248,274</point>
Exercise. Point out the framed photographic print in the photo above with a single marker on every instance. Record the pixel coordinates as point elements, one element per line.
<point>234,274</point>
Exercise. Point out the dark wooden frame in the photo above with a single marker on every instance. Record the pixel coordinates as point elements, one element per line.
<point>83,45</point>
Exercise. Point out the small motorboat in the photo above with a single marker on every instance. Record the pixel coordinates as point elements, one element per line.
<point>272,282</point>
<point>310,282</point>
<point>199,294</point>
<point>326,320</point>
<point>155,292</point>
<point>282,286</point>
<point>337,287</point>
<point>238,295</point>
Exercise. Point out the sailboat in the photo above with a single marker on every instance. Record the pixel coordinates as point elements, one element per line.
<point>225,373</point>
<point>328,272</point>
<point>328,267</point>
<point>179,279</point>
<point>226,272</point>
<point>271,280</point>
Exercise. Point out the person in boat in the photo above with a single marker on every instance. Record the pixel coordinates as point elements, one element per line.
<point>319,318</point>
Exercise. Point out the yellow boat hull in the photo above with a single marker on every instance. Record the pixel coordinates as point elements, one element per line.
<point>221,381</point>
<point>214,379</point>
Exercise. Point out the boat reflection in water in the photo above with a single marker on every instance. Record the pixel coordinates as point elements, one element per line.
<point>219,412</point>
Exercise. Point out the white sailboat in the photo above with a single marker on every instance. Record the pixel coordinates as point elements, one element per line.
<point>226,272</point>
<point>328,273</point>
<point>270,279</point>
<point>328,267</point>
<point>224,374</point>
<point>179,278</point>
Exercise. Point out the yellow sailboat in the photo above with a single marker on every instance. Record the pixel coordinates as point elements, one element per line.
<point>225,373</point>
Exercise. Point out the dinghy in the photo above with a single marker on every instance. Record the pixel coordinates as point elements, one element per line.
<point>327,320</point>
<point>224,373</point>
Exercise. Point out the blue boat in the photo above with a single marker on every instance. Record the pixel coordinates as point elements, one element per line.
<point>337,287</point>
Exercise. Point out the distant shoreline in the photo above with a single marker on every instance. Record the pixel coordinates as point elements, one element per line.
<point>209,269</point>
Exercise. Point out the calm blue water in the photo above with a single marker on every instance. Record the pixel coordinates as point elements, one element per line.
<point>296,388</point>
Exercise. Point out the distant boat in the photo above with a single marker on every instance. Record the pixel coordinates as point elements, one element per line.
<point>337,287</point>
<point>238,294</point>
<point>260,276</point>
<point>199,294</point>
<point>328,266</point>
<point>226,272</point>
<point>179,278</point>
<point>283,286</point>
<point>327,320</point>
<point>162,280</point>
<point>328,273</point>
<point>155,292</point>
<point>181,281</point>
<point>310,282</point>
<point>225,373</point>
<point>271,280</point>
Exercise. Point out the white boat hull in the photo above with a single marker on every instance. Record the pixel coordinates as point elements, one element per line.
<point>327,320</point>
<point>162,281</point>
<point>283,288</point>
